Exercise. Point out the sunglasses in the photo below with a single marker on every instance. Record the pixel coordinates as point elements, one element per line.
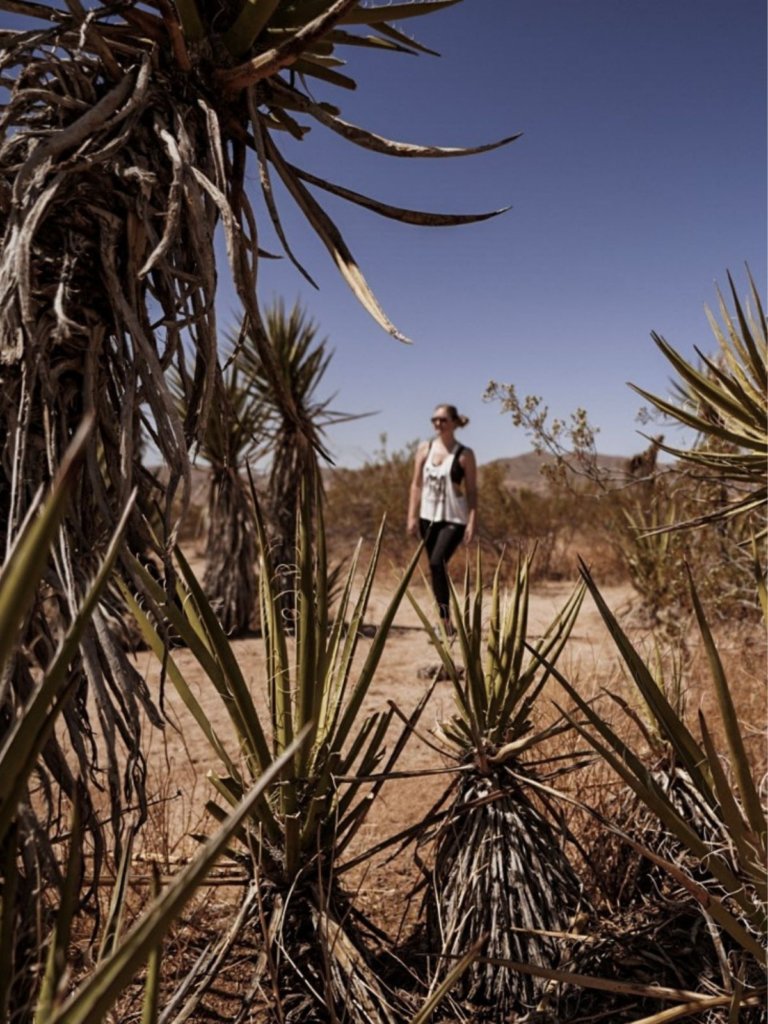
<point>439,419</point>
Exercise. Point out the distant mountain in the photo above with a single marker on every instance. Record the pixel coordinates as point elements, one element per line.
<point>524,472</point>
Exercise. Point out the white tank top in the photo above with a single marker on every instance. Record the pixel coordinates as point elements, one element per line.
<point>441,500</point>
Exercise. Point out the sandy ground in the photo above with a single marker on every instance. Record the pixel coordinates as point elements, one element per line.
<point>180,758</point>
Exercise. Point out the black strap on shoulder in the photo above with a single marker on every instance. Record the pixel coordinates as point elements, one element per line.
<point>457,470</point>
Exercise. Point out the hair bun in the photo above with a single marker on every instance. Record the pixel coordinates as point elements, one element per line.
<point>454,414</point>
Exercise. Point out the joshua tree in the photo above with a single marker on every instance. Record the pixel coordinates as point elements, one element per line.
<point>233,438</point>
<point>249,419</point>
<point>295,431</point>
<point>127,131</point>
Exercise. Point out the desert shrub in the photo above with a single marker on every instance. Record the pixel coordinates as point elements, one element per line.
<point>628,532</point>
<point>509,518</point>
<point>547,520</point>
<point>356,500</point>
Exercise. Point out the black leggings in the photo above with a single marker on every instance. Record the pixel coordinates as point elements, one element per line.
<point>442,539</point>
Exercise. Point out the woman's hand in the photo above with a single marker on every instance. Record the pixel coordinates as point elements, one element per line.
<point>412,529</point>
<point>467,459</point>
<point>469,531</point>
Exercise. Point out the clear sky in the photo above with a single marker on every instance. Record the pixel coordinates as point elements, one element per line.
<point>639,180</point>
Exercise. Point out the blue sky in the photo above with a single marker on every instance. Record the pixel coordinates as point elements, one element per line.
<point>639,180</point>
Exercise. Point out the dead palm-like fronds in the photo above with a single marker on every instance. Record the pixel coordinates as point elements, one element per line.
<point>500,866</point>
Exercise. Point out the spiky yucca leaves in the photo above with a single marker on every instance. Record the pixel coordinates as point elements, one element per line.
<point>31,881</point>
<point>314,680</point>
<point>726,402</point>
<point>120,959</point>
<point>500,867</point>
<point>711,831</point>
<point>623,874</point>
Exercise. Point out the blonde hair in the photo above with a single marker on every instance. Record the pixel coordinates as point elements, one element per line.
<point>454,413</point>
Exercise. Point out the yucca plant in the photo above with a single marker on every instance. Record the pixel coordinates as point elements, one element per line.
<point>725,400</point>
<point>126,951</point>
<point>711,829</point>
<point>723,491</point>
<point>311,815</point>
<point>622,874</point>
<point>500,866</point>
<point>40,892</point>
<point>234,437</point>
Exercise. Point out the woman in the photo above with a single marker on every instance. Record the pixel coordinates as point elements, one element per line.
<point>443,500</point>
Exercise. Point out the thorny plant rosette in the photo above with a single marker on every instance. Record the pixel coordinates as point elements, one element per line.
<point>501,871</point>
<point>725,400</point>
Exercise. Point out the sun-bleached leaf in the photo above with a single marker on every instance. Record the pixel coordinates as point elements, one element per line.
<point>266,64</point>
<point>331,237</point>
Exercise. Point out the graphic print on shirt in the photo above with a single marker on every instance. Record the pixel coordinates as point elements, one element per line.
<point>441,500</point>
<point>434,485</point>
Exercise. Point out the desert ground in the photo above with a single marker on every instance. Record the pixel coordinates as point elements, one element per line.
<point>387,886</point>
<point>180,756</point>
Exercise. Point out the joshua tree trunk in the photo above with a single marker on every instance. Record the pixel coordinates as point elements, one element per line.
<point>231,582</point>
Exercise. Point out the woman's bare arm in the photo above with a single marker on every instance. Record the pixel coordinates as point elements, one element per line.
<point>414,497</point>
<point>469,465</point>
